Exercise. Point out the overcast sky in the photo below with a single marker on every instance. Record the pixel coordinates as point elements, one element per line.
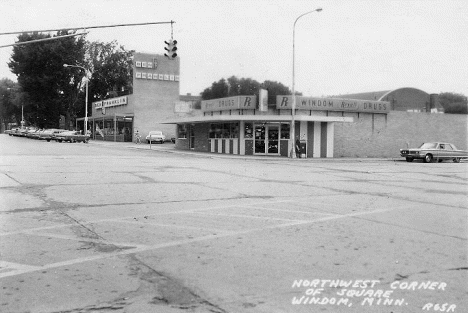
<point>349,47</point>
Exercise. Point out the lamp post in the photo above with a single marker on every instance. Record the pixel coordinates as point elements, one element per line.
<point>86,99</point>
<point>293,111</point>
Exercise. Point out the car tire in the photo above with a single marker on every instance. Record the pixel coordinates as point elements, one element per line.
<point>48,140</point>
<point>440,160</point>
<point>409,159</point>
<point>428,158</point>
<point>456,160</point>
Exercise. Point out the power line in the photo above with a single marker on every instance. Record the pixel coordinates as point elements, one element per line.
<point>89,27</point>
<point>44,39</point>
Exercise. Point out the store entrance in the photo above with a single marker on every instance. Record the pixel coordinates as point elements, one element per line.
<point>266,139</point>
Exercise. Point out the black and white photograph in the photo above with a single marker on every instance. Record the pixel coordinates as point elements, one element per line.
<point>233,156</point>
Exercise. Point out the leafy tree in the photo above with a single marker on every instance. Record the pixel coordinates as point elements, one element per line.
<point>111,70</point>
<point>234,86</point>
<point>41,75</point>
<point>51,90</point>
<point>276,89</point>
<point>9,110</point>
<point>454,103</point>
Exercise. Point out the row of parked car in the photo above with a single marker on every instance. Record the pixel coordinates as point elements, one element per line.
<point>55,134</point>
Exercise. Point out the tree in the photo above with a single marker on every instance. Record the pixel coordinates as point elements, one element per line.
<point>453,103</point>
<point>9,109</point>
<point>41,75</point>
<point>111,68</point>
<point>276,89</point>
<point>234,86</point>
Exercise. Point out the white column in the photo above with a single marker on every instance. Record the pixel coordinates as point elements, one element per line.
<point>235,143</point>
<point>212,141</point>
<point>303,130</point>
<point>227,144</point>
<point>241,138</point>
<point>330,139</point>
<point>317,139</point>
<point>220,145</point>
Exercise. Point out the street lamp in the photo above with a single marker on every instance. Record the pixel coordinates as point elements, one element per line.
<point>293,111</point>
<point>86,99</point>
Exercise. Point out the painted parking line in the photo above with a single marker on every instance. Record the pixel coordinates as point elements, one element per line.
<point>124,218</point>
<point>6,267</point>
<point>30,269</point>
<point>249,216</point>
<point>149,222</point>
<point>86,239</point>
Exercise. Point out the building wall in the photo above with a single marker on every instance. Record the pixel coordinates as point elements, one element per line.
<point>380,135</point>
<point>201,132</point>
<point>154,99</point>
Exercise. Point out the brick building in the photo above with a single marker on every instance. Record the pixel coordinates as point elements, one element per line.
<point>155,92</point>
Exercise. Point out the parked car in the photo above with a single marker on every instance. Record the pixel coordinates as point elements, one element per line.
<point>71,136</point>
<point>12,131</point>
<point>155,136</point>
<point>49,134</point>
<point>32,133</point>
<point>434,151</point>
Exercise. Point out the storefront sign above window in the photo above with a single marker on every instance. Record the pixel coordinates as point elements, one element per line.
<point>156,76</point>
<point>333,104</point>
<point>230,103</point>
<point>110,102</point>
<point>142,67</point>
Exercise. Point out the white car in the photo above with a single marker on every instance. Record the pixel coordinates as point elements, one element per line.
<point>155,136</point>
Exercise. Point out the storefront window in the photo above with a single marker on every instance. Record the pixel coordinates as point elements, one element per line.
<point>248,130</point>
<point>182,131</point>
<point>235,130</point>
<point>225,130</point>
<point>212,133</point>
<point>285,131</point>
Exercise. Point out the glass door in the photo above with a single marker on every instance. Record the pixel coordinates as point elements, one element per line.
<point>259,136</point>
<point>272,140</point>
<point>191,137</point>
<point>266,139</point>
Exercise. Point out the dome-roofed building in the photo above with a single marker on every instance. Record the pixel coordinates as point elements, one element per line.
<point>402,99</point>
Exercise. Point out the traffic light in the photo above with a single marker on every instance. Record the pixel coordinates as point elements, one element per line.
<point>171,49</point>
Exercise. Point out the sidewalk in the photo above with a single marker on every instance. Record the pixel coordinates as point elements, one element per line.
<point>169,147</point>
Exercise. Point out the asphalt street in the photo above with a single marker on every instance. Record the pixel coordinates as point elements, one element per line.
<point>120,227</point>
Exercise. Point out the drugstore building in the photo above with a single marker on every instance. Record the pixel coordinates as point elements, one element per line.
<point>242,125</point>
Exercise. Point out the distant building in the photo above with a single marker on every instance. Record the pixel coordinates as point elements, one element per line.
<point>402,99</point>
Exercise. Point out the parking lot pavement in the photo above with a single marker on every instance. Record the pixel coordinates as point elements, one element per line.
<point>107,227</point>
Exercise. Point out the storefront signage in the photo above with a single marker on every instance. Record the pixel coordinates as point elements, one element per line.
<point>110,103</point>
<point>230,103</point>
<point>141,72</point>
<point>333,104</point>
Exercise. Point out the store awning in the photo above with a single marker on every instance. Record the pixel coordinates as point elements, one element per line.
<point>258,118</point>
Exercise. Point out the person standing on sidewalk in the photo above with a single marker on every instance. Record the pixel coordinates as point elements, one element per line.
<point>137,137</point>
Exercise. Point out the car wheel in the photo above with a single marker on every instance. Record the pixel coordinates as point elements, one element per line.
<point>456,160</point>
<point>409,159</point>
<point>48,140</point>
<point>428,158</point>
<point>440,160</point>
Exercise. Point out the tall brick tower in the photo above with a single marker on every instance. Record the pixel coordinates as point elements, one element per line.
<point>155,90</point>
